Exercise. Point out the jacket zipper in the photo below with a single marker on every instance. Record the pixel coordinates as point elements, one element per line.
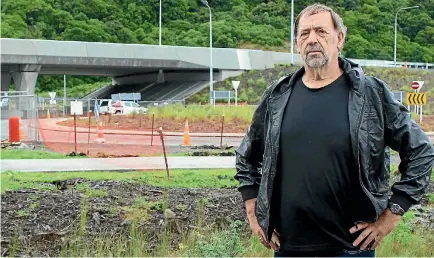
<point>272,155</point>
<point>358,160</point>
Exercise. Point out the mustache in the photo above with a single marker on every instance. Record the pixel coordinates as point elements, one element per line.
<point>315,47</point>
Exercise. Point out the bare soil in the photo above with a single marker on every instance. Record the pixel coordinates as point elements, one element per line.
<point>121,122</point>
<point>41,221</point>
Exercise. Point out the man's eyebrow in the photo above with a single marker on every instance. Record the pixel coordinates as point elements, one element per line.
<point>315,27</point>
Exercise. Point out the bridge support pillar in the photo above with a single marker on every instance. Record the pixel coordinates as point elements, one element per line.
<point>25,80</point>
<point>160,77</point>
<point>6,81</point>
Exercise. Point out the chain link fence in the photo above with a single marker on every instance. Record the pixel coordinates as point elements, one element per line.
<point>48,123</point>
<point>24,106</point>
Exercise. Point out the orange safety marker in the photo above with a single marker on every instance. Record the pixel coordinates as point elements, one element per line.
<point>48,114</point>
<point>100,134</point>
<point>187,140</point>
<point>14,129</point>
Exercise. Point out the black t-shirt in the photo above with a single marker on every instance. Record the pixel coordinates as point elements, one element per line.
<point>318,196</point>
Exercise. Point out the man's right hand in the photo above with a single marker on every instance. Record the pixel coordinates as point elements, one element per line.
<point>256,229</point>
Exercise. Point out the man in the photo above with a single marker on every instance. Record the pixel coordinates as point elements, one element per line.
<point>314,164</point>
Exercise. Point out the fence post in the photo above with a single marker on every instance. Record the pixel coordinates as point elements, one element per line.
<point>152,135</point>
<point>164,151</point>
<point>75,133</point>
<point>221,137</point>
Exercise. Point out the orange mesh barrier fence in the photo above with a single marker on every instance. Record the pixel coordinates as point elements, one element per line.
<point>125,140</point>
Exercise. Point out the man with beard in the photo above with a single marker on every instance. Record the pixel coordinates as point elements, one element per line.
<point>314,164</point>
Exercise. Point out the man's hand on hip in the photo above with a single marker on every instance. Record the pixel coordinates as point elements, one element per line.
<point>256,229</point>
<point>377,230</point>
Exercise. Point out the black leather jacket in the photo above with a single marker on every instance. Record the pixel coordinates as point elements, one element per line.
<point>377,121</point>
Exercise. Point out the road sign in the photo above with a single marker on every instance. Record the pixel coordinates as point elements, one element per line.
<point>415,98</point>
<point>52,95</point>
<point>236,84</point>
<point>417,85</point>
<point>77,108</point>
<point>399,95</point>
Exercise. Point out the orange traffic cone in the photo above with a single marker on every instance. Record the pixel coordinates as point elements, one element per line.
<point>187,140</point>
<point>100,134</point>
<point>48,114</point>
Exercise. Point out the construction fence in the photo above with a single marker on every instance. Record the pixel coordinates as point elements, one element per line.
<point>51,125</point>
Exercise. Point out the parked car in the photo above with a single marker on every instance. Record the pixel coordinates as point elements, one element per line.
<point>104,106</point>
<point>126,107</point>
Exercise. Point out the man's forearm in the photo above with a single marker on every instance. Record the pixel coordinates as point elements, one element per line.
<point>250,207</point>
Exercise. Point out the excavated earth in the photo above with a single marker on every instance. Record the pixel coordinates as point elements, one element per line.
<point>43,220</point>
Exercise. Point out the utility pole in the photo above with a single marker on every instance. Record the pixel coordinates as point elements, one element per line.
<point>396,25</point>
<point>159,38</point>
<point>211,88</point>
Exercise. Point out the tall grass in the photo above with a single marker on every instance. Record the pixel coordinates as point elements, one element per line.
<point>198,113</point>
<point>227,240</point>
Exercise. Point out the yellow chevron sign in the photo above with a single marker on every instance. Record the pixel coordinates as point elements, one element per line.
<point>415,98</point>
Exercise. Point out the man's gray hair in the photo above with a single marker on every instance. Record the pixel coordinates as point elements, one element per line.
<point>317,8</point>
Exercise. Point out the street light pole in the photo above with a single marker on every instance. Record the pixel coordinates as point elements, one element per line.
<point>159,33</point>
<point>396,25</point>
<point>292,32</point>
<point>211,88</point>
<point>64,95</point>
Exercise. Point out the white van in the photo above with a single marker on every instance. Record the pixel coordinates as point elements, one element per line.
<point>104,106</point>
<point>127,107</point>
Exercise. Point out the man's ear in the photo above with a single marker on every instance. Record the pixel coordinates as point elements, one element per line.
<point>341,40</point>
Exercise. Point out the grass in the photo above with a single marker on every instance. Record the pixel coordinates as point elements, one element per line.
<point>229,240</point>
<point>197,113</point>
<point>233,240</point>
<point>32,154</point>
<point>405,243</point>
<point>431,198</point>
<point>210,178</point>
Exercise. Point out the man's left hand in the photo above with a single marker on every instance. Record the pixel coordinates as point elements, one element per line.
<point>377,230</point>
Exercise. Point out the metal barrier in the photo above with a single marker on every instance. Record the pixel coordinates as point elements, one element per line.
<point>19,104</point>
<point>160,102</point>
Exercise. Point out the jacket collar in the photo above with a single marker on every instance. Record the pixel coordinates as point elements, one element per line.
<point>352,70</point>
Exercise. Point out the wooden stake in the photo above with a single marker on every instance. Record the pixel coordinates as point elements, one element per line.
<point>164,151</point>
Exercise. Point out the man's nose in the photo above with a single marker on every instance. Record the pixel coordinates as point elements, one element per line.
<point>312,39</point>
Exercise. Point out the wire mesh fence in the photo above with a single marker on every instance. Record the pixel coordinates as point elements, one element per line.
<point>50,123</point>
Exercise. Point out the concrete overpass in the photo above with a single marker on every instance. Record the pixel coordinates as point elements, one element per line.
<point>23,60</point>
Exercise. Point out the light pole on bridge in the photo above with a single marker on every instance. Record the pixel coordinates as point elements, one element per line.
<point>159,31</point>
<point>396,21</point>
<point>211,89</point>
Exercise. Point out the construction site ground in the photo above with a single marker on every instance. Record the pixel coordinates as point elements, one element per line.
<point>143,122</point>
<point>122,122</point>
<point>125,143</point>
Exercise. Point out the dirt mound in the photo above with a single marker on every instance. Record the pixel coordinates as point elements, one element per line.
<point>38,223</point>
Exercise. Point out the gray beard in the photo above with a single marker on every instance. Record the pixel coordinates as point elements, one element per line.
<point>316,60</point>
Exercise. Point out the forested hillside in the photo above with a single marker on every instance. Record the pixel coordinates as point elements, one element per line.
<point>263,24</point>
<point>254,82</point>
